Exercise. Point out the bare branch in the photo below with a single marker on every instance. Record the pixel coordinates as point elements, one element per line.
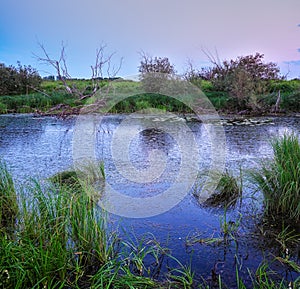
<point>102,64</point>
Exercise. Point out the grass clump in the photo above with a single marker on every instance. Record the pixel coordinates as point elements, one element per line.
<point>279,180</point>
<point>227,192</point>
<point>87,175</point>
<point>8,199</point>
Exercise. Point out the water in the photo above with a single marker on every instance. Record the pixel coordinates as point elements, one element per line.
<point>41,147</point>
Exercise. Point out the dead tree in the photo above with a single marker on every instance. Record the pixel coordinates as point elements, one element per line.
<point>102,68</point>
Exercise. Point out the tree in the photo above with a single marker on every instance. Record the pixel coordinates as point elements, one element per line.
<point>102,68</point>
<point>18,80</point>
<point>244,78</point>
<point>153,71</point>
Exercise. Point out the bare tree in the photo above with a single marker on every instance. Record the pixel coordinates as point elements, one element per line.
<point>100,70</point>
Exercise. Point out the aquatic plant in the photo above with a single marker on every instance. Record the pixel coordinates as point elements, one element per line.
<point>227,193</point>
<point>279,179</point>
<point>66,178</point>
<point>62,240</point>
<point>82,177</point>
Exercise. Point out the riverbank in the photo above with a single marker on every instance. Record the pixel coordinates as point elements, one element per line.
<point>53,99</point>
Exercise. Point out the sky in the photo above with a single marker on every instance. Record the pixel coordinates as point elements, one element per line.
<point>176,29</point>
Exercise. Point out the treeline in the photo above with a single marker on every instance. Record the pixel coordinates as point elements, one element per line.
<point>246,84</point>
<point>18,80</point>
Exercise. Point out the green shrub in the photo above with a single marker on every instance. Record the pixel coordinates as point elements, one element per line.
<point>18,80</point>
<point>291,101</point>
<point>284,85</point>
<point>3,108</point>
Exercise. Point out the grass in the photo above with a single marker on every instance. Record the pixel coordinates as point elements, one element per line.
<point>227,193</point>
<point>58,238</point>
<point>264,277</point>
<point>53,93</point>
<point>279,180</point>
<point>8,200</point>
<point>150,100</point>
<point>87,175</point>
<point>34,102</point>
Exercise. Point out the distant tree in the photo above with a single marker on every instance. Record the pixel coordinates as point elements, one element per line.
<point>18,80</point>
<point>153,71</point>
<point>244,78</point>
<point>49,78</point>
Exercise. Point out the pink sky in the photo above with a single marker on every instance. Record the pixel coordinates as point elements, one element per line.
<point>173,28</point>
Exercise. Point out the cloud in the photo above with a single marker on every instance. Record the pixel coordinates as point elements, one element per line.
<point>298,25</point>
<point>298,49</point>
<point>293,62</point>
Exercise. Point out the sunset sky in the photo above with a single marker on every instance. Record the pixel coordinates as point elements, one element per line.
<point>174,28</point>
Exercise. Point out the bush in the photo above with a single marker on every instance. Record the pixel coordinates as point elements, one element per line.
<point>18,80</point>
<point>284,85</point>
<point>291,101</point>
<point>244,78</point>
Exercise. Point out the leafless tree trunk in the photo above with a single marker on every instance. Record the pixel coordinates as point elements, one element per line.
<point>102,68</point>
<point>277,104</point>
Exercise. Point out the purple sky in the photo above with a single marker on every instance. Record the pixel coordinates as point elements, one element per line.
<point>174,28</point>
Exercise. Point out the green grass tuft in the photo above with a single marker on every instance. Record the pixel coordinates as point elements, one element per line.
<point>279,180</point>
<point>8,200</point>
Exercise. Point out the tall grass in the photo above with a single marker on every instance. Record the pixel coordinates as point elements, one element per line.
<point>227,192</point>
<point>8,199</point>
<point>59,238</point>
<point>35,101</point>
<point>279,180</point>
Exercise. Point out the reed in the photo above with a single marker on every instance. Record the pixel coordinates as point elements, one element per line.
<point>279,179</point>
<point>8,200</point>
<point>61,239</point>
<point>227,192</point>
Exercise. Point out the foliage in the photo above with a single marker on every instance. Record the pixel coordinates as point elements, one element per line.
<point>279,180</point>
<point>34,102</point>
<point>244,78</point>
<point>153,72</point>
<point>288,86</point>
<point>18,80</point>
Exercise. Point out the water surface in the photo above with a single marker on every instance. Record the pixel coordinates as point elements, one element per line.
<point>42,146</point>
